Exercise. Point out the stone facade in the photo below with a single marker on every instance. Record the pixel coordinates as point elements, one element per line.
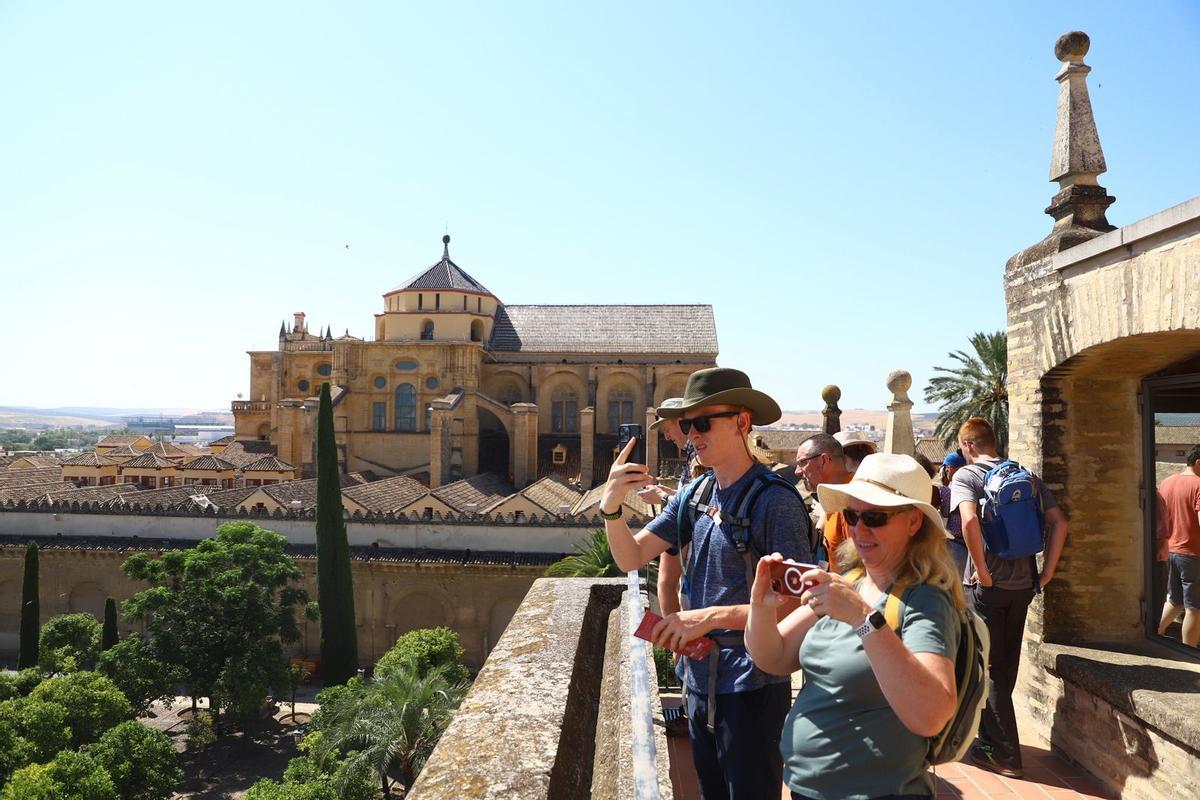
<point>457,383</point>
<point>1093,313</point>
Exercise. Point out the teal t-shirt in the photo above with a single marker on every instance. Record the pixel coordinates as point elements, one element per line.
<point>842,741</point>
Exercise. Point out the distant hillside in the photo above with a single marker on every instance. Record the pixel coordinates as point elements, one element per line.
<point>853,416</point>
<point>88,416</point>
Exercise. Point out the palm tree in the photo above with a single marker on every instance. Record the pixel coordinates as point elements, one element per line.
<point>390,725</point>
<point>978,387</point>
<point>595,560</point>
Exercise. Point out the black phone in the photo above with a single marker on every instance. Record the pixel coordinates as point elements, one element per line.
<point>632,430</point>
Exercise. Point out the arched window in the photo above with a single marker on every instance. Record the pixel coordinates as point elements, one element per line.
<point>620,409</point>
<point>564,411</point>
<point>406,407</point>
<point>427,329</point>
<point>476,330</point>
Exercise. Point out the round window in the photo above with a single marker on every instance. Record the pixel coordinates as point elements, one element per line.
<point>406,365</point>
<point>431,383</point>
<point>324,370</point>
<point>380,382</point>
<point>303,385</point>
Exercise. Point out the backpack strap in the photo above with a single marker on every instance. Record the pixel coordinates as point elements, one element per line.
<point>892,607</point>
<point>743,518</point>
<point>693,501</point>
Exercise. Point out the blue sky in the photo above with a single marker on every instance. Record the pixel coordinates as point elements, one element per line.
<point>842,182</point>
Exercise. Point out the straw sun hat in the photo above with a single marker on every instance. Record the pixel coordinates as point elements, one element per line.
<point>884,480</point>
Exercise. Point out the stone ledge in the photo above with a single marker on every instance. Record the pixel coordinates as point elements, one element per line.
<point>1187,211</point>
<point>1148,681</point>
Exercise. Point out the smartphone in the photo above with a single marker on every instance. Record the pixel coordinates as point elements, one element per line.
<point>697,649</point>
<point>627,431</point>
<point>786,577</point>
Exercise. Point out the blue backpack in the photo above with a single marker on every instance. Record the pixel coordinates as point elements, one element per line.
<point>1011,513</point>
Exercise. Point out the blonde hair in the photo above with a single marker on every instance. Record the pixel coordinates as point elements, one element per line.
<point>927,560</point>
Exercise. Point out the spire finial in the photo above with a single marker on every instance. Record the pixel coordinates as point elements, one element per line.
<point>446,247</point>
<point>1077,158</point>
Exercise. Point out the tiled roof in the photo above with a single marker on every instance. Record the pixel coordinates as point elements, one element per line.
<point>552,492</point>
<point>165,497</point>
<point>120,450</point>
<point>35,460</point>
<point>932,449</point>
<point>589,503</point>
<point>149,460</point>
<point>90,494</point>
<point>28,477</point>
<point>210,463</point>
<point>482,490</point>
<point>18,493</point>
<point>267,464</point>
<point>168,450</point>
<point>1176,434</point>
<point>89,459</point>
<point>190,449</point>
<point>242,453</point>
<point>689,330</point>
<point>117,441</point>
<point>783,439</point>
<point>387,495</point>
<point>221,498</point>
<point>284,493</point>
<point>223,440</point>
<point>445,274</point>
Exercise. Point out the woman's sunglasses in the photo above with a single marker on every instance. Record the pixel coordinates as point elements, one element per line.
<point>872,517</point>
<point>703,424</point>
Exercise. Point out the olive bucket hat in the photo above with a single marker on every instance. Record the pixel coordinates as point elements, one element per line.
<point>724,386</point>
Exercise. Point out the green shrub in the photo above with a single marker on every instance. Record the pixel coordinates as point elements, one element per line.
<point>200,732</point>
<point>664,666</point>
<point>69,642</point>
<point>427,647</point>
<point>140,760</point>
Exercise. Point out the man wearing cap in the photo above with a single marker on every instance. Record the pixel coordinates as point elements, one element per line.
<point>734,719</point>
<point>820,459</point>
<point>951,464</point>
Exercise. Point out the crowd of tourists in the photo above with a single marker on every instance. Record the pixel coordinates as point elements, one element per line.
<point>898,581</point>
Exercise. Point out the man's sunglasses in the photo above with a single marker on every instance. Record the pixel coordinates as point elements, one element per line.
<point>872,517</point>
<point>703,424</point>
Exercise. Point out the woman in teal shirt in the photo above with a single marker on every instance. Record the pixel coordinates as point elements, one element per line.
<point>872,696</point>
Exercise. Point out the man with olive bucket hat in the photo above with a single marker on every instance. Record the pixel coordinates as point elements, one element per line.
<point>735,710</point>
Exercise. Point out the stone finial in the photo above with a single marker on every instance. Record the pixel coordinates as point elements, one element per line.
<point>1077,158</point>
<point>832,414</point>
<point>899,435</point>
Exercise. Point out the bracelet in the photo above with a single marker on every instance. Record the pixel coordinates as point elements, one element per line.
<point>613,516</point>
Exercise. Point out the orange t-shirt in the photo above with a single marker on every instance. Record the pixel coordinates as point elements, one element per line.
<point>1178,504</point>
<point>836,531</point>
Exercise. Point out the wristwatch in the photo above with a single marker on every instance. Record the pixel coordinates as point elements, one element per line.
<point>872,623</point>
<point>614,515</point>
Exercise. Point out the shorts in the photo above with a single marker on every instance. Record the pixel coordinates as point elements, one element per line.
<point>1183,580</point>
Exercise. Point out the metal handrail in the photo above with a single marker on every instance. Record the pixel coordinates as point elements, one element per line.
<point>645,758</point>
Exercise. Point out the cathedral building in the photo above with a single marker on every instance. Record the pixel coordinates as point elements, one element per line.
<point>456,383</point>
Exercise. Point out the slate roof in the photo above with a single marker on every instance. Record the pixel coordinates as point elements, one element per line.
<point>149,460</point>
<point>483,490</point>
<point>387,495</point>
<point>89,459</point>
<point>445,274</point>
<point>210,463</point>
<point>689,330</point>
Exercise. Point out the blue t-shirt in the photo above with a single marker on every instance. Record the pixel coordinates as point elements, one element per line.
<point>842,740</point>
<point>717,572</point>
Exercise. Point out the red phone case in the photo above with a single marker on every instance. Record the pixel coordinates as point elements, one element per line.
<point>697,649</point>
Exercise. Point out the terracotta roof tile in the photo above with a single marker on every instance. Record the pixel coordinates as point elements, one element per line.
<point>268,464</point>
<point>116,441</point>
<point>90,494</point>
<point>590,502</point>
<point>480,490</point>
<point>90,459</point>
<point>387,495</point>
<point>121,450</point>
<point>242,453</point>
<point>18,493</point>
<point>149,460</point>
<point>204,496</point>
<point>687,330</point>
<point>165,497</point>
<point>551,493</point>
<point>209,463</point>
<point>1176,434</point>
<point>783,439</point>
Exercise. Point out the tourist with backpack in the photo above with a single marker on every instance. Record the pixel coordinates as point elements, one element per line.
<point>731,516</point>
<point>892,658</point>
<point>1008,517</point>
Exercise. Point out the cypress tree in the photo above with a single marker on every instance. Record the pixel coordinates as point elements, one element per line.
<point>335,588</point>
<point>31,625</point>
<point>109,636</point>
